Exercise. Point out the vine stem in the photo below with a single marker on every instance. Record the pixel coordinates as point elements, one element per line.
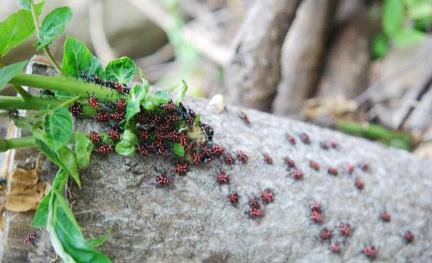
<point>68,85</point>
<point>46,49</point>
<point>24,94</point>
<point>23,142</point>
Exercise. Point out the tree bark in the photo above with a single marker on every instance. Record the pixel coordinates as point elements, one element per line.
<point>254,69</point>
<point>302,53</point>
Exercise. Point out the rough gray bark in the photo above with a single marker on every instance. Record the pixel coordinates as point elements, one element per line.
<point>397,80</point>
<point>302,53</point>
<point>192,221</point>
<point>254,70</point>
<point>347,64</point>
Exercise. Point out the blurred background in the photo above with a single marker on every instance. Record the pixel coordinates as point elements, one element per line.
<point>361,67</point>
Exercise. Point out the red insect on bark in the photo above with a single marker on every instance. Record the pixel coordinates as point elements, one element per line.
<point>121,104</point>
<point>315,206</point>
<point>104,148</point>
<point>296,174</point>
<point>350,168</point>
<point>359,184</point>
<point>218,150</point>
<point>267,158</point>
<point>102,116</point>
<point>244,117</point>
<point>31,239</point>
<point>93,102</point>
<point>229,159</point>
<point>163,180</point>
<point>370,252</point>
<point>363,166</point>
<point>181,168</point>
<point>95,137</point>
<point>335,247</point>
<point>267,196</point>
<point>289,162</point>
<point>345,229</point>
<point>333,171</point>
<point>234,197</point>
<point>291,139</point>
<point>408,236</point>
<point>314,165</point>
<point>142,150</point>
<point>325,233</point>
<point>304,137</point>
<point>385,216</point>
<point>114,134</point>
<point>242,157</point>
<point>316,217</point>
<point>222,178</point>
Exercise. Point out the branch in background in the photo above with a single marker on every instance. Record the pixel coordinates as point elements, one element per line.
<point>254,69</point>
<point>197,37</point>
<point>302,54</point>
<point>97,33</point>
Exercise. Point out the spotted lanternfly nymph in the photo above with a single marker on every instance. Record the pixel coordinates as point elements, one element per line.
<point>229,159</point>
<point>114,134</point>
<point>304,137</point>
<point>385,216</point>
<point>314,165</point>
<point>244,117</point>
<point>363,166</point>
<point>102,116</point>
<point>31,239</point>
<point>359,184</point>
<point>289,162</point>
<point>335,248</point>
<point>345,229</point>
<point>242,157</point>
<point>267,158</point>
<point>93,102</point>
<point>255,210</point>
<point>370,252</point>
<point>218,150</point>
<point>267,196</point>
<point>316,217</point>
<point>222,178</point>
<point>142,150</point>
<point>104,148</point>
<point>315,206</point>
<point>76,109</point>
<point>349,169</point>
<point>408,236</point>
<point>333,171</point>
<point>296,174</point>
<point>95,137</point>
<point>181,168</point>
<point>233,197</point>
<point>325,233</point>
<point>291,139</point>
<point>163,180</point>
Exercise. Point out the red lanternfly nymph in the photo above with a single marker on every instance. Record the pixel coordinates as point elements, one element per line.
<point>408,236</point>
<point>142,150</point>
<point>181,168</point>
<point>93,102</point>
<point>162,180</point>
<point>349,168</point>
<point>314,165</point>
<point>289,162</point>
<point>385,216</point>
<point>144,135</point>
<point>359,184</point>
<point>229,159</point>
<point>296,174</point>
<point>222,178</point>
<point>233,197</point>
<point>94,137</point>
<point>218,150</point>
<point>118,115</point>
<point>325,233</point>
<point>102,116</point>
<point>31,239</point>
<point>242,157</point>
<point>267,158</point>
<point>114,134</point>
<point>291,139</point>
<point>316,217</point>
<point>335,247</point>
<point>304,137</point>
<point>75,109</point>
<point>345,229</point>
<point>333,171</point>
<point>267,196</point>
<point>370,252</point>
<point>255,210</point>
<point>104,148</point>
<point>121,104</point>
<point>315,206</point>
<point>324,146</point>
<point>363,166</point>
<point>244,117</point>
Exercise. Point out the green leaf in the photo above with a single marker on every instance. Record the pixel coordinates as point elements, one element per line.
<point>153,100</point>
<point>51,155</point>
<point>137,95</point>
<point>126,146</point>
<point>122,70</point>
<point>83,149</point>
<point>181,93</point>
<point>26,4</point>
<point>69,162</point>
<point>380,46</point>
<point>408,37</point>
<point>16,28</point>
<point>41,214</point>
<point>78,59</point>
<point>58,128</point>
<point>392,17</point>
<point>53,26</point>
<point>8,72</point>
<point>178,149</point>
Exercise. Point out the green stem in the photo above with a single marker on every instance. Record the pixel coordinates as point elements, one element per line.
<point>23,142</point>
<point>36,103</point>
<point>46,49</point>
<point>69,85</point>
<point>24,94</point>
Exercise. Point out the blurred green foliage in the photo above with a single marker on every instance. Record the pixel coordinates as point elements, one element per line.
<point>404,23</point>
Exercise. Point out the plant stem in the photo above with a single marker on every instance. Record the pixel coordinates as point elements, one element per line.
<point>72,86</point>
<point>36,103</point>
<point>23,142</point>
<point>46,49</point>
<point>24,94</point>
